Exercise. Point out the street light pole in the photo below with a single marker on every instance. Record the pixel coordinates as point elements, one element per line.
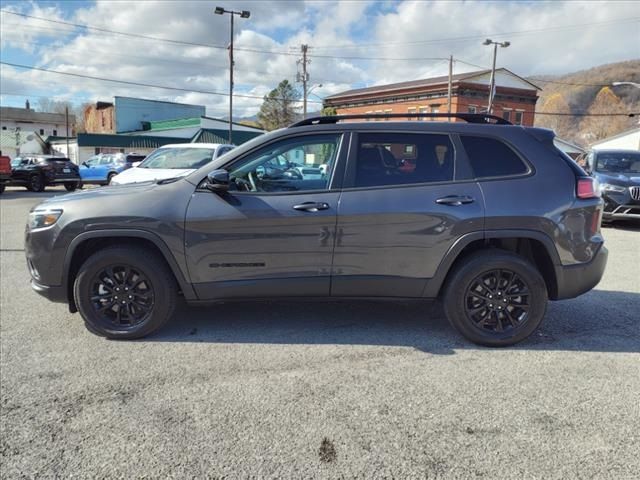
<point>618,84</point>
<point>492,87</point>
<point>242,14</point>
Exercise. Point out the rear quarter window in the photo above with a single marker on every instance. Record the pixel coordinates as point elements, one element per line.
<point>490,157</point>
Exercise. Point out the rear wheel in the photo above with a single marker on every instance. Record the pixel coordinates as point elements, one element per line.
<point>495,298</point>
<point>71,186</point>
<point>125,293</point>
<point>36,183</point>
<point>110,176</point>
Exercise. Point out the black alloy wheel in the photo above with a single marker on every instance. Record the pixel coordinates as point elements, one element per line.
<point>70,186</point>
<point>495,297</point>
<point>498,300</point>
<point>122,297</point>
<point>125,292</point>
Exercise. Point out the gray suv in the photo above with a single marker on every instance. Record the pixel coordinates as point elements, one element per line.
<point>487,216</point>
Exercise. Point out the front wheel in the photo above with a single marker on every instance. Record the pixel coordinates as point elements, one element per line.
<point>125,292</point>
<point>495,298</point>
<point>109,177</point>
<point>71,186</point>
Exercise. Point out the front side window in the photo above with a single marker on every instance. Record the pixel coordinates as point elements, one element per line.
<point>400,159</point>
<point>490,157</point>
<point>296,164</point>
<point>178,158</point>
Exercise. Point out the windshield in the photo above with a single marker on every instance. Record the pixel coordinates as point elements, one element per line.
<point>618,162</point>
<point>178,158</point>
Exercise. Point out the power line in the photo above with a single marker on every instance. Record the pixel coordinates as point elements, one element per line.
<point>476,37</point>
<point>222,47</point>
<point>139,84</point>
<point>569,83</point>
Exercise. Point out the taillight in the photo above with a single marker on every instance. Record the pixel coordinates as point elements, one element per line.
<point>587,187</point>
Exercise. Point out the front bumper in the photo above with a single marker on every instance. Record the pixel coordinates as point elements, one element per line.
<point>55,294</point>
<point>574,280</point>
<point>623,212</point>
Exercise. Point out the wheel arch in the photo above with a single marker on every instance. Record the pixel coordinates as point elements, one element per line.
<point>535,246</point>
<point>89,242</point>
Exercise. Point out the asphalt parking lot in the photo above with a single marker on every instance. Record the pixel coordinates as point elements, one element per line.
<point>319,390</point>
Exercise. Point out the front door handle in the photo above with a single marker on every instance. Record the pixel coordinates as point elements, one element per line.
<point>455,200</point>
<point>311,206</point>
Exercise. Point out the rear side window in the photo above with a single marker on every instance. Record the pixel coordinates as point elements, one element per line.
<point>403,159</point>
<point>490,157</point>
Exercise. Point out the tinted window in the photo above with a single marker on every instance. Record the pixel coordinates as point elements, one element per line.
<point>300,163</point>
<point>492,158</point>
<point>400,159</point>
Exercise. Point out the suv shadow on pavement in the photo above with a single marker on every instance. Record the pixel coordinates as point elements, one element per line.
<point>574,325</point>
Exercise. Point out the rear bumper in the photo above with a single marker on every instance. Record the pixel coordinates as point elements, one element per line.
<point>575,280</point>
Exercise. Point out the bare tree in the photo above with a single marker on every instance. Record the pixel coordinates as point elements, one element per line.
<point>604,124</point>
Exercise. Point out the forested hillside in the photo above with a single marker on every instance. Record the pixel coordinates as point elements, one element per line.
<point>589,91</point>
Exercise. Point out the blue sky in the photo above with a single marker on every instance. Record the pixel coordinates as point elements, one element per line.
<point>353,44</point>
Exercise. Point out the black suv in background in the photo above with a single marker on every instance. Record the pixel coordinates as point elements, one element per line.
<point>618,172</point>
<point>36,172</point>
<point>490,217</point>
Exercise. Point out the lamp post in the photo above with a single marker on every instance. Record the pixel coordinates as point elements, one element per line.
<point>242,14</point>
<point>492,88</point>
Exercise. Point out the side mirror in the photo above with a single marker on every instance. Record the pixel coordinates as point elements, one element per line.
<point>85,164</point>
<point>218,181</point>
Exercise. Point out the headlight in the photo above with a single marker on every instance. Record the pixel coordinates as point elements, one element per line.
<point>43,218</point>
<point>607,187</point>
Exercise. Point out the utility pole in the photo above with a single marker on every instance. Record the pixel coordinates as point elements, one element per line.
<point>492,86</point>
<point>304,77</point>
<point>66,119</point>
<point>232,13</point>
<point>449,86</point>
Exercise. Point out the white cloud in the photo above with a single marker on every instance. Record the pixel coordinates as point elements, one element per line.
<point>332,29</point>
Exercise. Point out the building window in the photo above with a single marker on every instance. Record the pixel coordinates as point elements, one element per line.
<point>368,113</point>
<point>472,109</point>
<point>55,133</point>
<point>423,110</point>
<point>42,131</point>
<point>378,111</point>
<point>519,118</point>
<point>388,111</point>
<point>412,110</point>
<point>507,115</point>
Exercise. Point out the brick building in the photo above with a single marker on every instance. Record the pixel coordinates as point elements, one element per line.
<point>515,98</point>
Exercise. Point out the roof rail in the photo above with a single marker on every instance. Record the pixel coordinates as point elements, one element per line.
<point>468,117</point>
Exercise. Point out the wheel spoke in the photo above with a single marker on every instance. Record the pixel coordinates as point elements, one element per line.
<point>138,302</point>
<point>509,303</point>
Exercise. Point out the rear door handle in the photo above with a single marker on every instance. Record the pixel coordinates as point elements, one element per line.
<point>311,206</point>
<point>455,200</point>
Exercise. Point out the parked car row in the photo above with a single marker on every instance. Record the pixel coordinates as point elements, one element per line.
<point>36,172</point>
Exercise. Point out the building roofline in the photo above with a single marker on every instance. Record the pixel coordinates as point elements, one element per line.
<point>618,135</point>
<point>427,82</point>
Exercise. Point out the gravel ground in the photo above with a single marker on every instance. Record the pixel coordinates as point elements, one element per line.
<point>319,390</point>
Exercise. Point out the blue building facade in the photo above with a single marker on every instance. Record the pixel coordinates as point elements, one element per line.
<point>131,112</point>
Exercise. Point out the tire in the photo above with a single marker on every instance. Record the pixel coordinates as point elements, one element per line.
<point>109,177</point>
<point>504,323</point>
<point>2,187</point>
<point>71,186</point>
<point>36,183</point>
<point>154,297</point>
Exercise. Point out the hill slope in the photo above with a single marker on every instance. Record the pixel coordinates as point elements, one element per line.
<point>576,93</point>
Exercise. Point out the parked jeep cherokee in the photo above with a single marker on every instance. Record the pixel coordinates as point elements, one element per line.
<point>491,218</point>
<point>36,172</point>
